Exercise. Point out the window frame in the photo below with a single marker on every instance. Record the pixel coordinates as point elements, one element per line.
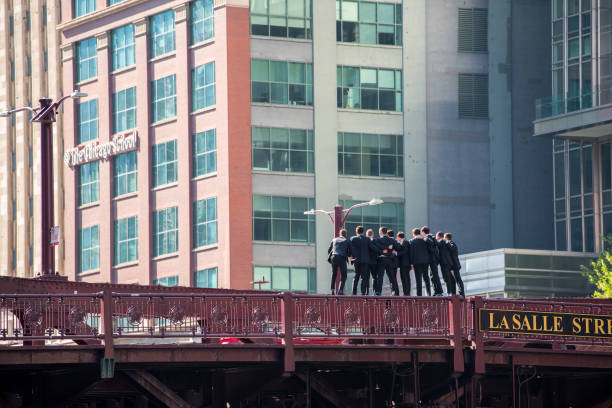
<point>203,22</point>
<point>90,185</point>
<point>92,250</point>
<point>123,115</point>
<point>203,157</point>
<point>162,19</point>
<point>166,165</point>
<point>159,96</point>
<point>209,272</point>
<point>201,87</point>
<point>131,174</point>
<point>126,49</point>
<point>203,227</point>
<point>269,152</point>
<point>162,248</point>
<point>89,61</point>
<point>126,242</point>
<point>275,222</point>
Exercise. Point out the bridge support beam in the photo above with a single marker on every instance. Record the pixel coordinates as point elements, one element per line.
<point>157,389</point>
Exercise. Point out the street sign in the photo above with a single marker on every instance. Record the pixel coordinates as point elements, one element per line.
<point>55,236</point>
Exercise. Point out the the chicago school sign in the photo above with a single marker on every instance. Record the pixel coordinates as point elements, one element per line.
<point>545,323</point>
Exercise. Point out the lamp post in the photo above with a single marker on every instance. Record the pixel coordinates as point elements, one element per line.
<point>45,115</point>
<point>338,217</point>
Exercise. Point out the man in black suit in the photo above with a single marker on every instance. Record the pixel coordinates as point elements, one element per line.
<point>446,263</point>
<point>387,261</point>
<point>360,256</point>
<point>404,262</point>
<point>456,266</point>
<point>434,260</point>
<point>339,251</point>
<point>419,256</point>
<point>374,252</point>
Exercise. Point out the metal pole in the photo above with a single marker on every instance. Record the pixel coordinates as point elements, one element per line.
<point>308,395</point>
<point>46,186</point>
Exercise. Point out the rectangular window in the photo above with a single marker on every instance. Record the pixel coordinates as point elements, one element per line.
<point>205,222</point>
<point>166,281</point>
<point>202,20</point>
<point>369,88</point>
<point>366,154</point>
<point>111,2</point>
<point>88,183</point>
<point>281,82</point>
<point>203,86</point>
<point>206,278</point>
<point>204,153</point>
<point>124,110</point>
<point>282,18</point>
<point>290,278</point>
<point>82,7</point>
<point>86,59</point>
<point>165,231</point>
<point>473,97</point>
<point>162,33</point>
<point>126,240</point>
<point>282,219</point>
<point>87,121</point>
<point>284,150</point>
<point>368,22</point>
<point>163,97</point>
<point>164,163</point>
<point>125,177</point>
<point>123,45</point>
<point>473,30</point>
<point>89,249</point>
<point>388,214</point>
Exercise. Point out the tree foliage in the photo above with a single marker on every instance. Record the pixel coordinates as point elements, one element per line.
<point>600,272</point>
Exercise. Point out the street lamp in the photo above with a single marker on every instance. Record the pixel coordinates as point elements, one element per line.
<point>45,115</point>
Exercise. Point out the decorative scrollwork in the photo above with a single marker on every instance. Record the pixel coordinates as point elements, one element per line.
<point>312,315</point>
<point>351,317</point>
<point>32,317</point>
<point>260,316</point>
<point>219,315</point>
<point>134,315</point>
<point>77,316</point>
<point>176,315</point>
<point>391,318</point>
<point>430,319</point>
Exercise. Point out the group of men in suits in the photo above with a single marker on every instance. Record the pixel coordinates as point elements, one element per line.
<point>375,257</point>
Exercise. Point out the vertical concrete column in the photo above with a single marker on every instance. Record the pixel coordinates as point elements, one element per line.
<point>70,232</point>
<point>597,217</point>
<point>105,166</point>
<point>325,129</point>
<point>144,149</point>
<point>6,193</point>
<point>183,145</point>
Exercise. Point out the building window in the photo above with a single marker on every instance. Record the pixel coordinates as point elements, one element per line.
<point>163,94</point>
<point>112,2</point>
<point>202,21</point>
<point>366,154</point>
<point>388,214</point>
<point>124,110</point>
<point>123,47</point>
<point>205,222</point>
<point>204,153</point>
<point>285,150</point>
<point>290,278</point>
<point>88,183</point>
<point>203,86</point>
<point>125,177</point>
<point>82,7</point>
<point>281,82</point>
<point>164,163</point>
<point>126,240</point>
<point>86,58</point>
<point>165,231</point>
<point>162,33</point>
<point>368,22</point>
<point>206,278</point>
<point>282,219</point>
<point>166,281</point>
<point>89,249</point>
<point>473,96</point>
<point>282,18</point>
<point>87,121</point>
<point>369,88</point>
<point>473,30</point>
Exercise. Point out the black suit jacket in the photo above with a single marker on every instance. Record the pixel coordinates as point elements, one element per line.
<point>419,255</point>
<point>360,249</point>
<point>339,246</point>
<point>446,258</point>
<point>404,253</point>
<point>455,254</point>
<point>389,244</point>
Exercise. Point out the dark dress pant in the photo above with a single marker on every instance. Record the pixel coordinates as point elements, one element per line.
<point>435,278</point>
<point>338,263</point>
<point>405,277</point>
<point>449,279</point>
<point>420,275</point>
<point>362,271</point>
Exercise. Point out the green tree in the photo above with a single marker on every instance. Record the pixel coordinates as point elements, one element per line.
<point>600,272</point>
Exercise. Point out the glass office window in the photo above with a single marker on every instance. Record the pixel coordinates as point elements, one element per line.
<point>202,20</point>
<point>166,281</point>
<point>88,183</point>
<point>125,175</point>
<point>473,30</point>
<point>282,219</point>
<point>281,18</point>
<point>204,153</point>
<point>112,2</point>
<point>284,150</point>
<point>162,33</point>
<point>124,110</point>
<point>369,88</point>
<point>473,96</point>
<point>126,240</point>
<point>388,214</point>
<point>165,231</point>
<point>366,154</point>
<point>89,249</point>
<point>123,46</point>
<point>288,278</point>
<point>206,278</point>
<point>164,163</point>
<point>203,86</point>
<point>82,7</point>
<point>368,22</point>
<point>281,82</point>
<point>163,98</point>
<point>86,59</point>
<point>87,121</point>
<point>205,222</point>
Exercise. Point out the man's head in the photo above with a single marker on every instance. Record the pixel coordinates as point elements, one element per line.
<point>370,233</point>
<point>390,233</point>
<point>401,236</point>
<point>382,231</point>
<point>343,232</point>
<point>359,230</point>
<point>425,230</point>
<point>448,236</point>
<point>416,232</point>
<point>439,235</point>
